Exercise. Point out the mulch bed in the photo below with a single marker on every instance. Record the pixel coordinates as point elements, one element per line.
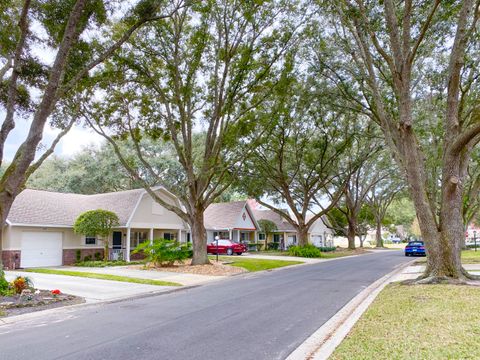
<point>213,269</point>
<point>17,304</point>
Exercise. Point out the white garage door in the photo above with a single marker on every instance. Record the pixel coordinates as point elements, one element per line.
<point>41,249</point>
<point>317,240</point>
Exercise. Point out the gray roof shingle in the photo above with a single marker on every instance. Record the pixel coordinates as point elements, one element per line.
<point>223,215</point>
<point>38,207</point>
<point>282,224</point>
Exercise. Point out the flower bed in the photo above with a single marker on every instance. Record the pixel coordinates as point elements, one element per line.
<point>29,301</point>
<point>19,296</point>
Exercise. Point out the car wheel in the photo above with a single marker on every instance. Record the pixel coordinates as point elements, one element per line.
<point>239,253</point>
<point>229,251</point>
<point>406,254</point>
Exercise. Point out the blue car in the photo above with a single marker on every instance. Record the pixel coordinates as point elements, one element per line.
<point>415,248</point>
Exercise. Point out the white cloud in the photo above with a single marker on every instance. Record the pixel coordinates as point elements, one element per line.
<point>76,139</point>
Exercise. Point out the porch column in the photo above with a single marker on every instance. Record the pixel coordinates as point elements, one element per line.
<point>238,234</point>
<point>179,236</point>
<point>151,236</point>
<point>127,247</point>
<point>230,234</point>
<point>285,239</point>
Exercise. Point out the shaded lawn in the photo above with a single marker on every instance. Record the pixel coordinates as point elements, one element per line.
<point>253,265</point>
<point>104,277</point>
<point>417,322</point>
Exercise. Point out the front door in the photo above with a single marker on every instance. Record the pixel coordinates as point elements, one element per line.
<point>117,240</point>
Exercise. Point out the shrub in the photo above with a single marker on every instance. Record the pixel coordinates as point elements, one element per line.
<point>273,246</point>
<point>327,248</point>
<point>87,258</point>
<point>98,256</point>
<point>3,283</point>
<point>21,283</point>
<point>78,255</point>
<point>164,252</point>
<point>309,251</point>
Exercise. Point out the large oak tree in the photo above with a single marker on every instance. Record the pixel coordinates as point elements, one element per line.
<point>386,51</point>
<point>193,80</point>
<point>75,37</point>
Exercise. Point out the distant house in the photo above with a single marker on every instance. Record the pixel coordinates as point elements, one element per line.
<point>232,220</point>
<point>284,236</point>
<point>319,233</point>
<point>39,230</point>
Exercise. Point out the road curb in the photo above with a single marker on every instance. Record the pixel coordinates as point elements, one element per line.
<point>323,342</point>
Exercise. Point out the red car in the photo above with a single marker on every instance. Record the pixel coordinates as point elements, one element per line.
<point>226,247</point>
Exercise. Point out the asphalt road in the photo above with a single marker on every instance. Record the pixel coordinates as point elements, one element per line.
<point>255,316</point>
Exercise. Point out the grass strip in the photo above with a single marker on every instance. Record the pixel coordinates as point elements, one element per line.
<point>103,277</point>
<point>253,265</point>
<point>417,322</point>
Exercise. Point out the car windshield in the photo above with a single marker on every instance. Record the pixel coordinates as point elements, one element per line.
<point>415,243</point>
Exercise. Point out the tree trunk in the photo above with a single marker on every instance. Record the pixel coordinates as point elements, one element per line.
<point>378,235</point>
<point>6,201</point>
<point>302,234</point>
<point>351,235</point>
<point>361,238</point>
<point>199,239</point>
<point>105,250</point>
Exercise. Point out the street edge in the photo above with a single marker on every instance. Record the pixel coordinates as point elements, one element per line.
<point>70,308</point>
<point>323,342</point>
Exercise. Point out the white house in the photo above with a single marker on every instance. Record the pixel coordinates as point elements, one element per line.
<point>39,230</point>
<point>232,220</point>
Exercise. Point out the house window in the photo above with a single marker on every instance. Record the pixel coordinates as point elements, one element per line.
<point>169,236</point>
<point>221,235</point>
<point>90,240</point>
<point>138,237</point>
<point>188,238</point>
<point>261,236</point>
<point>244,237</point>
<point>276,238</point>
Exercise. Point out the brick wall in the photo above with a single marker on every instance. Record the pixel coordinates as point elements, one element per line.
<point>11,259</point>
<point>137,256</point>
<point>70,255</point>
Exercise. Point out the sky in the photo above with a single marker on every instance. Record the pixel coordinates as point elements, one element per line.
<point>77,138</point>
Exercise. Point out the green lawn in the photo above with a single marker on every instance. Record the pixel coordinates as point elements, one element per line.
<point>468,257</point>
<point>471,256</point>
<point>417,322</point>
<point>104,277</point>
<point>253,265</point>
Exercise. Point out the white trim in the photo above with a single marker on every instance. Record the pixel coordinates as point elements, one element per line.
<point>127,246</point>
<point>8,222</point>
<point>43,225</point>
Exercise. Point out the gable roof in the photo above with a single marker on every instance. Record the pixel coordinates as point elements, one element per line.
<point>38,207</point>
<point>277,219</point>
<point>224,216</point>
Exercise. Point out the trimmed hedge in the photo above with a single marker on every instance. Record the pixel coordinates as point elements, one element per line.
<point>308,251</point>
<point>327,248</point>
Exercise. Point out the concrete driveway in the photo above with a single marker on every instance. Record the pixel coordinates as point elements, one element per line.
<point>93,290</point>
